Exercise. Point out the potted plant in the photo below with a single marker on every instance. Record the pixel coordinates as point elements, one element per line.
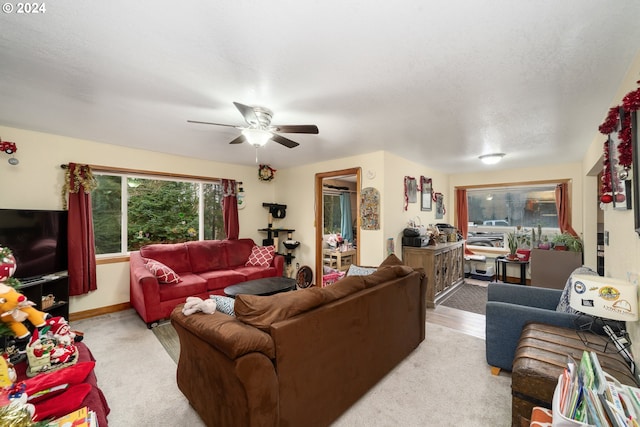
<point>512,241</point>
<point>544,243</point>
<point>566,241</point>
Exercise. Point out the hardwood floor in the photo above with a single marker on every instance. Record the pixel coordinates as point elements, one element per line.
<point>469,323</point>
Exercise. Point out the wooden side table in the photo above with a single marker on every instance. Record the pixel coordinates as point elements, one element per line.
<point>337,259</point>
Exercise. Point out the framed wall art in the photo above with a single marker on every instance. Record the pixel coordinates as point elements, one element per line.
<point>426,193</point>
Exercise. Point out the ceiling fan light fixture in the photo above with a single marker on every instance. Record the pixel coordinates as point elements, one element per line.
<point>257,137</point>
<point>491,159</point>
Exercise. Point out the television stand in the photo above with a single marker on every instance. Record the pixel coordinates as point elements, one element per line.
<point>41,290</point>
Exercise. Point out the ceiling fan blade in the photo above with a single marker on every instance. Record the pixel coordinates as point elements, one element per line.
<point>247,112</point>
<point>297,129</point>
<point>239,140</point>
<point>216,124</point>
<point>284,141</point>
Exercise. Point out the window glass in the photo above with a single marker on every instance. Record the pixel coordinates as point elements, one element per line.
<point>106,201</point>
<point>332,214</point>
<point>213,226</point>
<point>513,206</point>
<point>156,211</point>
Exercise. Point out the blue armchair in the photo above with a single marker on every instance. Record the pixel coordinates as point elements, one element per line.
<point>509,307</point>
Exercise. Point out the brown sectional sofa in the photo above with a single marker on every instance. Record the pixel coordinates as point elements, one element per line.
<point>300,358</point>
<point>205,268</point>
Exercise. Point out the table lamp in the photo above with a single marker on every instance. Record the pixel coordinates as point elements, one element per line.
<point>604,298</point>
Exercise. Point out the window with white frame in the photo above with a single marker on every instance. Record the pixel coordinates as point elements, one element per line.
<point>130,211</point>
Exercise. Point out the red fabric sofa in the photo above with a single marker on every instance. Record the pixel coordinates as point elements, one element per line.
<point>205,268</point>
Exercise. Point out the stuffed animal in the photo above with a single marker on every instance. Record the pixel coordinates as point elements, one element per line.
<point>60,331</point>
<point>15,309</point>
<point>195,304</point>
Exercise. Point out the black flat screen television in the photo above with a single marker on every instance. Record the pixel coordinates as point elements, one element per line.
<point>38,240</point>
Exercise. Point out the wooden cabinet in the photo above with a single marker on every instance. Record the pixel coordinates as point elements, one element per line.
<point>443,263</point>
<point>55,286</point>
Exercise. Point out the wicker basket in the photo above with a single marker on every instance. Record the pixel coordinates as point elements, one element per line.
<point>47,301</point>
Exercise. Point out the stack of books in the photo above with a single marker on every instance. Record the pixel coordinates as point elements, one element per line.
<point>83,417</point>
<point>587,395</point>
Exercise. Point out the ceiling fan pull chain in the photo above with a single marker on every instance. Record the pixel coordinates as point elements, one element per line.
<point>256,155</point>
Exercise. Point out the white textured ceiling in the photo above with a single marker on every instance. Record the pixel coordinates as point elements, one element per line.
<point>437,82</point>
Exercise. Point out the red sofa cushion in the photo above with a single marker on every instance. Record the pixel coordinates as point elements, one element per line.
<point>238,251</point>
<point>173,255</point>
<point>207,255</point>
<point>190,285</point>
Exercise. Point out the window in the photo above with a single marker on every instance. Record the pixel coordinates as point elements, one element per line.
<point>526,206</point>
<point>332,214</point>
<point>495,211</point>
<point>130,211</point>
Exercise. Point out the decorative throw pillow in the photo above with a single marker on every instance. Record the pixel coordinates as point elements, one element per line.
<point>563,305</point>
<point>356,270</point>
<point>224,304</point>
<point>163,273</point>
<point>261,256</point>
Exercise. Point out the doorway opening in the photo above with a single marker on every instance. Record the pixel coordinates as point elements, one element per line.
<point>328,185</point>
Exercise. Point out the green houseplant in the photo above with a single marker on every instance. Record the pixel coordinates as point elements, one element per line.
<point>570,242</point>
<point>512,241</point>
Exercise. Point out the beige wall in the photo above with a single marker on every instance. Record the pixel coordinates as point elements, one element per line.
<point>38,183</point>
<point>380,170</point>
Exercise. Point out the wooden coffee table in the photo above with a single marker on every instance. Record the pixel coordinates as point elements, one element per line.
<point>264,286</point>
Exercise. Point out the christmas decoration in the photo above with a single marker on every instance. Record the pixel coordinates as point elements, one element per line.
<point>618,118</point>
<point>266,173</point>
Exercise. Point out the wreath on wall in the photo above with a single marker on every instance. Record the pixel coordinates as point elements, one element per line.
<point>630,104</point>
<point>266,173</point>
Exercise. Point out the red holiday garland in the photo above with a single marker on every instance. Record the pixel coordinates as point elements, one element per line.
<point>630,103</point>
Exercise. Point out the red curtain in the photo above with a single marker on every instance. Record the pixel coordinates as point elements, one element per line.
<point>462,216</point>
<point>230,209</point>
<point>82,254</point>
<point>564,211</point>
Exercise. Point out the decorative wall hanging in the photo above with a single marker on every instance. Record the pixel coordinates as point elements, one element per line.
<point>240,196</point>
<point>440,210</point>
<point>369,209</point>
<point>618,151</point>
<point>636,173</point>
<point>9,148</point>
<point>410,191</point>
<point>266,173</point>
<point>426,190</point>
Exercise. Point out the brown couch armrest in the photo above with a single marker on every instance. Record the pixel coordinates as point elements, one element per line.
<point>225,333</point>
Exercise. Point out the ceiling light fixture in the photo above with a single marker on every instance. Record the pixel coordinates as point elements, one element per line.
<point>257,137</point>
<point>491,159</point>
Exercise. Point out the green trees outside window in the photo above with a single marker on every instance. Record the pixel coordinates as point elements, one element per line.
<point>156,211</point>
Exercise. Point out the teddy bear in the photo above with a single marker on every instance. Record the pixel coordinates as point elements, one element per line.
<point>195,304</point>
<point>15,309</point>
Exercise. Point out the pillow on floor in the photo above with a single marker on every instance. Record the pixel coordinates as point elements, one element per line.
<point>224,304</point>
<point>261,256</point>
<point>563,305</point>
<point>163,273</point>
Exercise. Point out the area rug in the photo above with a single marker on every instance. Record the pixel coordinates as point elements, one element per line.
<point>445,382</point>
<point>467,297</point>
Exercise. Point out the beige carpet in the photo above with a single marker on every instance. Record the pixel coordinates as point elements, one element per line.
<point>445,382</point>
<point>136,375</point>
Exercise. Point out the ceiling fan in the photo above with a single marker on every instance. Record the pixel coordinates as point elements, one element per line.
<point>260,129</point>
